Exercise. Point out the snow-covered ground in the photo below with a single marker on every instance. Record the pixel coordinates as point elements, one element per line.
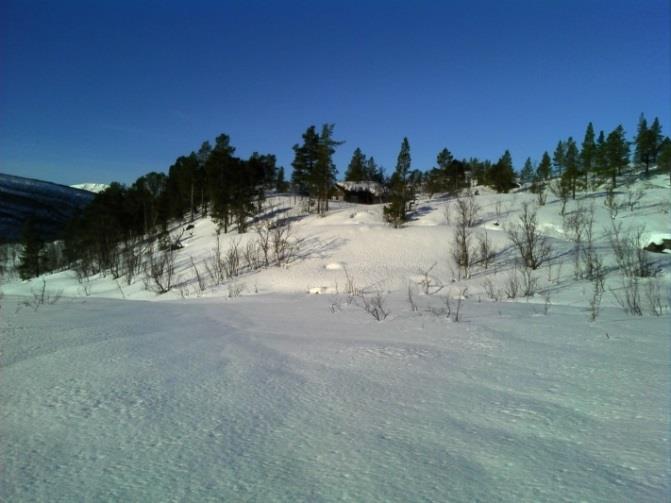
<point>91,187</point>
<point>278,395</point>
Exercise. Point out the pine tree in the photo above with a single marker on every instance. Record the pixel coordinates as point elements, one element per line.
<point>571,172</point>
<point>502,174</point>
<point>30,259</point>
<point>374,172</point>
<point>357,168</point>
<point>280,184</point>
<point>600,157</point>
<point>558,158</point>
<point>400,193</point>
<point>664,156</point>
<point>643,150</point>
<point>219,166</point>
<point>305,158</point>
<point>617,153</point>
<point>588,153</point>
<point>544,170</point>
<point>527,173</point>
<point>323,174</point>
<point>655,133</point>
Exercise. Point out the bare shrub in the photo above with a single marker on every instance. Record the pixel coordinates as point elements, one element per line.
<point>562,192</point>
<point>231,264</point>
<point>235,289</point>
<point>411,299</point>
<point>627,246</point>
<point>263,232</point>
<point>633,196</point>
<point>375,305</point>
<point>529,282</point>
<point>351,288</point>
<point>611,202</point>
<point>598,287</point>
<point>160,269</point>
<point>532,245</point>
<point>655,297</point>
<point>512,286</point>
<point>284,245</point>
<point>490,291</point>
<point>42,296</point>
<point>215,264</point>
<point>252,255</point>
<point>199,277</point>
<point>629,296</point>
<point>486,253</point>
<point>429,286</point>
<point>456,317</point>
<point>462,252</point>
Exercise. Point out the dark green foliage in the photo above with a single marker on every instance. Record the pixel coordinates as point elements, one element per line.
<point>527,173</point>
<point>647,143</point>
<point>314,171</point>
<point>31,255</point>
<point>305,158</point>
<point>664,156</point>
<point>588,152</point>
<point>401,193</point>
<point>558,158</point>
<point>448,176</point>
<point>502,174</point>
<point>544,170</point>
<point>616,154</point>
<point>281,185</point>
<point>120,216</point>
<point>374,172</point>
<point>357,169</point>
<point>571,174</point>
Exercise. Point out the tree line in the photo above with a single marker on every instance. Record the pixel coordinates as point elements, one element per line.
<point>212,180</point>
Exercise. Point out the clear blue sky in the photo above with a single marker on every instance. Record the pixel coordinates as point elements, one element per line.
<point>96,91</point>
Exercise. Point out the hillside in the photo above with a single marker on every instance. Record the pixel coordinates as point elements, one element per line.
<point>51,205</point>
<point>279,383</point>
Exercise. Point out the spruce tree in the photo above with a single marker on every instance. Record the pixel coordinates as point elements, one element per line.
<point>664,156</point>
<point>558,158</point>
<point>502,174</point>
<point>374,172</point>
<point>588,153</point>
<point>600,157</point>
<point>617,153</point>
<point>305,158</point>
<point>544,170</point>
<point>323,174</point>
<point>357,168</point>
<point>571,172</point>
<point>400,192</point>
<point>30,258</point>
<point>527,173</point>
<point>655,133</point>
<point>642,151</point>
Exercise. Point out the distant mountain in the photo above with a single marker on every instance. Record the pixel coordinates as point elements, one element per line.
<point>51,205</point>
<point>91,187</point>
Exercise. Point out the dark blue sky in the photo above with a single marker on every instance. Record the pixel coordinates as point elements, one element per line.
<point>100,91</point>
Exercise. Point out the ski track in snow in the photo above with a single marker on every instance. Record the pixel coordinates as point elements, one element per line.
<point>274,398</point>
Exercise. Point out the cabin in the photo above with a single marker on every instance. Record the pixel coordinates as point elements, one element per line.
<point>364,192</point>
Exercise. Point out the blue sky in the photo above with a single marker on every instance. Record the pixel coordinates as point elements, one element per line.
<point>101,91</point>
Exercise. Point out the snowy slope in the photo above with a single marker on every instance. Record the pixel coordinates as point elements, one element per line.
<point>50,204</point>
<point>91,187</point>
<point>274,398</point>
<point>278,395</point>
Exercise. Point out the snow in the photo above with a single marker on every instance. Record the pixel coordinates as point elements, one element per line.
<point>90,187</point>
<point>280,395</point>
<point>374,188</point>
